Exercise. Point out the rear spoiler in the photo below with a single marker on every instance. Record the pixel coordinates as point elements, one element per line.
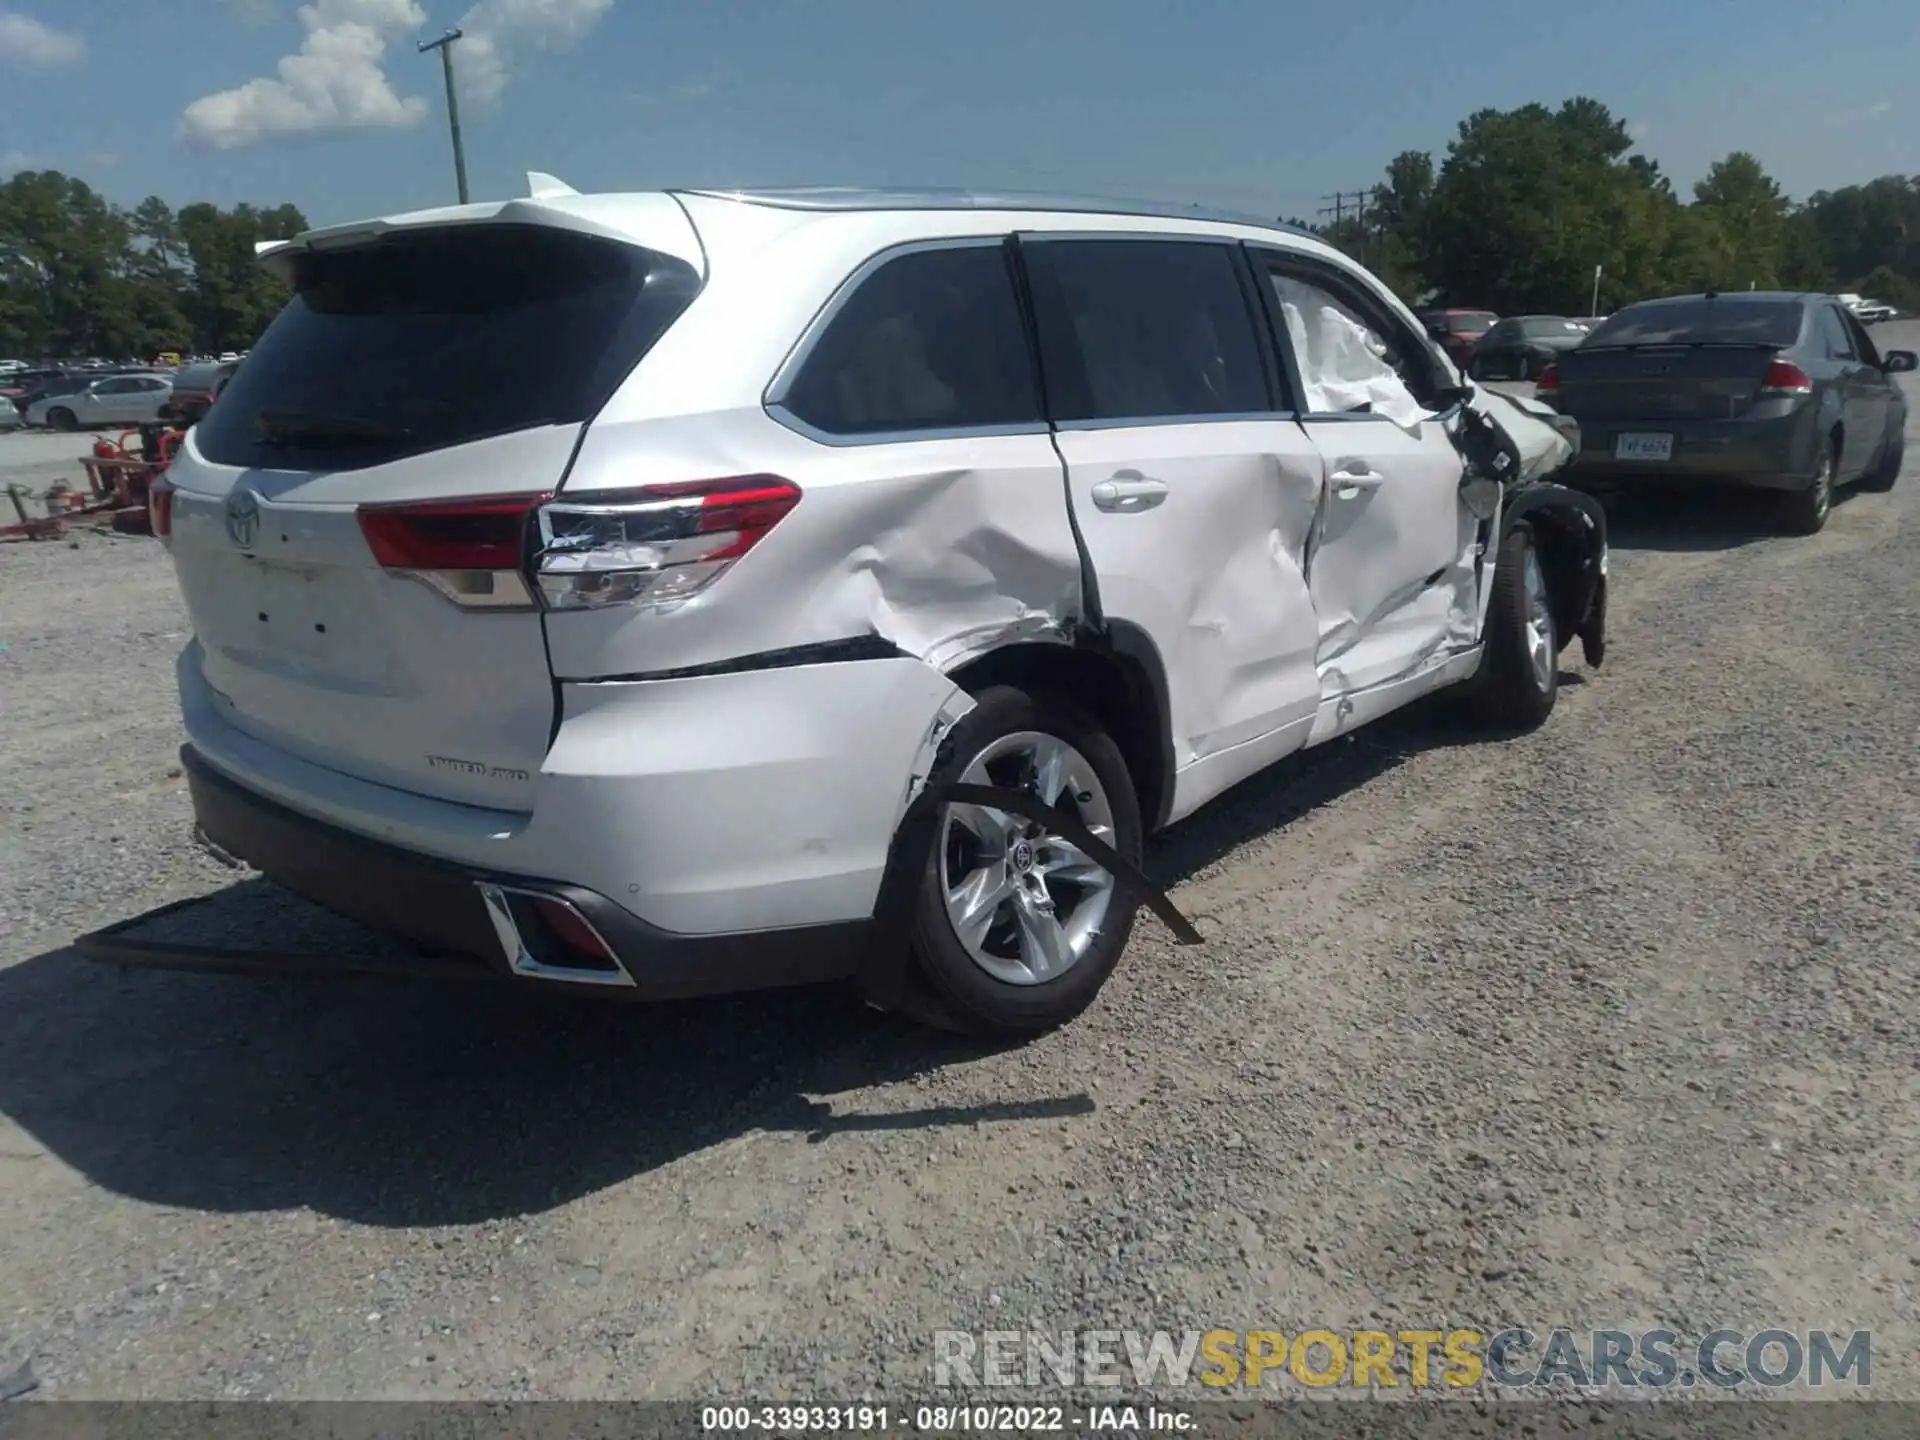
<point>655,221</point>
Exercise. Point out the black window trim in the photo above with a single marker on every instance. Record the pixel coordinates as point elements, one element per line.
<point>1838,315</point>
<point>1864,350</point>
<point>1274,385</point>
<point>1347,289</point>
<point>773,399</point>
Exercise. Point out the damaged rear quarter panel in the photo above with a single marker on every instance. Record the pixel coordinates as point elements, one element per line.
<point>945,547</point>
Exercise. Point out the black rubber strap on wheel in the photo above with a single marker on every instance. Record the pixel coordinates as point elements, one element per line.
<point>913,847</point>
<point>1127,877</point>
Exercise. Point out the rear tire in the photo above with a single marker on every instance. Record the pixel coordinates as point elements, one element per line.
<point>1886,470</point>
<point>61,418</point>
<point>1804,512</point>
<point>1519,675</point>
<point>982,983</point>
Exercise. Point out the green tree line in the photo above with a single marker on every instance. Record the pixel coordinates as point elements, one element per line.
<point>80,276</point>
<point>1527,202</point>
<point>1514,217</point>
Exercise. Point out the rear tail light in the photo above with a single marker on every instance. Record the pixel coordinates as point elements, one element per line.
<point>1785,378</point>
<point>472,551</point>
<point>657,546</point>
<point>160,506</point>
<point>1548,380</point>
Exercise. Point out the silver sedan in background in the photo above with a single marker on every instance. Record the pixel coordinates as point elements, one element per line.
<point>112,400</point>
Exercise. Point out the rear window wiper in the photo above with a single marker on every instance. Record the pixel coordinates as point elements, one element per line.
<point>302,427</point>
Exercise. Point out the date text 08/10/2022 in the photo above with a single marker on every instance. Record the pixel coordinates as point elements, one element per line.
<point>942,1419</point>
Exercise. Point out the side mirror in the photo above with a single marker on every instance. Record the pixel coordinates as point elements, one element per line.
<point>1900,362</point>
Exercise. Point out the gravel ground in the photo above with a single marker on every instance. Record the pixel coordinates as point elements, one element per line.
<point>1612,1024</point>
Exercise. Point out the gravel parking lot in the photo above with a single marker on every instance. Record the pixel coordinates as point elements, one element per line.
<point>1614,1024</point>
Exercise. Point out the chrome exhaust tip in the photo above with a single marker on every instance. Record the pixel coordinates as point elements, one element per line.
<point>560,930</point>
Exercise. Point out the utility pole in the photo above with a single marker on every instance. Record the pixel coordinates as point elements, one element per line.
<point>1343,201</point>
<point>445,46</point>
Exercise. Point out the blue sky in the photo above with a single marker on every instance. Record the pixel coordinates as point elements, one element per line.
<point>1263,107</point>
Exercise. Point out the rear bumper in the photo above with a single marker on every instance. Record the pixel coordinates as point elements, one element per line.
<point>1763,454</point>
<point>753,801</point>
<point>438,909</point>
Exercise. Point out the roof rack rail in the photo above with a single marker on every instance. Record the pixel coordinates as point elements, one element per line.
<point>856,198</point>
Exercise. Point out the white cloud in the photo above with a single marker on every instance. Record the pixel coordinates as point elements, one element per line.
<point>1638,130</point>
<point>26,42</point>
<point>497,34</point>
<point>334,82</point>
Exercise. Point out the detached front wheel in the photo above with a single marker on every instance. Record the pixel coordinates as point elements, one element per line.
<point>1519,675</point>
<point>1016,928</point>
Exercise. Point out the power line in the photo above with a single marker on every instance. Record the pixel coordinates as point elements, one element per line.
<point>1347,202</point>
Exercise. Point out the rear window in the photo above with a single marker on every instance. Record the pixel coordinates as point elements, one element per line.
<point>1725,320</point>
<point>1549,327</point>
<point>434,338</point>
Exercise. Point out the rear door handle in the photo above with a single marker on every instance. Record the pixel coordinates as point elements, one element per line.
<point>1127,497</point>
<point>1349,483</point>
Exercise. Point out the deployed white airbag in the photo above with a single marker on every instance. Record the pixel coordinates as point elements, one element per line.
<point>1343,364</point>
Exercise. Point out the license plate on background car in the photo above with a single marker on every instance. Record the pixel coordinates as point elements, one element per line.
<point>1643,447</point>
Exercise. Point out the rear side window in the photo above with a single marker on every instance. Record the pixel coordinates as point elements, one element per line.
<point>1863,346</point>
<point>1725,320</point>
<point>1549,327</point>
<point>1470,322</point>
<point>434,338</point>
<point>930,340</point>
<point>1145,329</point>
<point>1834,336</point>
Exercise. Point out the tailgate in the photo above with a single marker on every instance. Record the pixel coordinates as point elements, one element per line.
<point>311,645</point>
<point>349,523</point>
<point>1662,382</point>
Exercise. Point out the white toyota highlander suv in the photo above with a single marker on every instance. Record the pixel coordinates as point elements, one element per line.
<point>584,586</point>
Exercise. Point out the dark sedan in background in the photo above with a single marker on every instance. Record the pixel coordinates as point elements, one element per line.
<point>1768,390</point>
<point>1521,346</point>
<point>195,388</point>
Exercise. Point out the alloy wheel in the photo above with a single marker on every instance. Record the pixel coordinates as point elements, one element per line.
<point>1538,621</point>
<point>1025,903</point>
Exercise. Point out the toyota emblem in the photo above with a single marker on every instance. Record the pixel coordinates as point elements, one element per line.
<point>243,518</point>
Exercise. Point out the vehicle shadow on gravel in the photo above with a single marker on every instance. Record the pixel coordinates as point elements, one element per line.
<point>410,1103</point>
<point>1694,520</point>
<point>1309,779</point>
<point>404,1102</point>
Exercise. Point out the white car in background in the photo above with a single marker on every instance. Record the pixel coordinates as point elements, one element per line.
<point>111,400</point>
<point>619,672</point>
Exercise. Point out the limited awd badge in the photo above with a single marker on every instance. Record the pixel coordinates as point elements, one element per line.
<point>243,518</point>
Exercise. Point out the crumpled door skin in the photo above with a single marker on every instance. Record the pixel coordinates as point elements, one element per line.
<point>943,547</point>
